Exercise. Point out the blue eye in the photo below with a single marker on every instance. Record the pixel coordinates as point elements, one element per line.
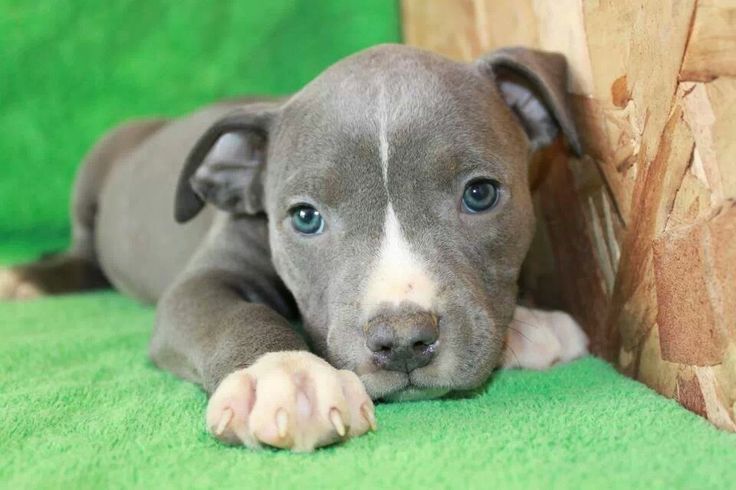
<point>480,195</point>
<point>307,220</point>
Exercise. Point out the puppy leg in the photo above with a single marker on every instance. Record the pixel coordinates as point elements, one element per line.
<point>77,269</point>
<point>538,339</point>
<point>267,388</point>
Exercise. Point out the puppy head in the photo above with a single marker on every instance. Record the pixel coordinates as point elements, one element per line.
<point>396,190</point>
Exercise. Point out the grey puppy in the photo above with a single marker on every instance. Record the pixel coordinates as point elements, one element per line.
<point>386,205</point>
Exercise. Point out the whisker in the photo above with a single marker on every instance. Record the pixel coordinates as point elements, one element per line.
<point>520,333</point>
<point>514,353</point>
<point>529,324</point>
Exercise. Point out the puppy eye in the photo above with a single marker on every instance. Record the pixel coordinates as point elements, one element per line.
<point>307,220</point>
<point>480,195</point>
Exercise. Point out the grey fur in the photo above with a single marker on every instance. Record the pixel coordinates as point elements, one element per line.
<point>224,280</point>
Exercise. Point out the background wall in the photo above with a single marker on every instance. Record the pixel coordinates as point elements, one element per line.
<point>69,69</point>
<point>638,237</point>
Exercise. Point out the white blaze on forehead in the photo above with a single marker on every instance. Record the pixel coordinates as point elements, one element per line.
<point>398,275</point>
<point>391,109</point>
<point>382,116</point>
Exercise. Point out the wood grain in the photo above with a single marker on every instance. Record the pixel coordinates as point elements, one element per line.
<point>637,238</point>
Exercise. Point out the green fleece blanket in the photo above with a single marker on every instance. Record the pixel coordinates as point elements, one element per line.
<point>80,404</point>
<point>82,407</point>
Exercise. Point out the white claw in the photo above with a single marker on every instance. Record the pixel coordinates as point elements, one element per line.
<point>227,416</point>
<point>369,416</point>
<point>282,422</point>
<point>337,422</point>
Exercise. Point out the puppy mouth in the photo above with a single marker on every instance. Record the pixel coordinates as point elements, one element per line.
<point>399,386</point>
<point>414,393</point>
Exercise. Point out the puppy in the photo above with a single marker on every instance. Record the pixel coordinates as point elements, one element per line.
<point>385,206</point>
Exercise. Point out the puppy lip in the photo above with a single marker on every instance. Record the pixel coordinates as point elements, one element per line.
<point>412,392</point>
<point>392,383</point>
<point>416,389</point>
<point>381,383</point>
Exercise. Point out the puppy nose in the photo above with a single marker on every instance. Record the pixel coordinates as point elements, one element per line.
<point>402,342</point>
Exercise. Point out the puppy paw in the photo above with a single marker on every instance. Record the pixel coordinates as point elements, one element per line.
<point>13,286</point>
<point>290,400</point>
<point>538,339</point>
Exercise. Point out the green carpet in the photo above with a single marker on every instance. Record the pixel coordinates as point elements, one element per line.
<point>83,408</point>
<point>81,405</point>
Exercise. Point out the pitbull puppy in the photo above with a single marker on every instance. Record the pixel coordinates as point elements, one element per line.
<point>385,205</point>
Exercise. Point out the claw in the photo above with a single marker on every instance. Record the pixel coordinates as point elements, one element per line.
<point>282,422</point>
<point>369,416</point>
<point>227,416</point>
<point>337,422</point>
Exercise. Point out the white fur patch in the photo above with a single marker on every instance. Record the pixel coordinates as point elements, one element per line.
<point>399,274</point>
<point>382,117</point>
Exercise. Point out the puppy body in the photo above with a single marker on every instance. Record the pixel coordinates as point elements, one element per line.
<point>138,244</point>
<point>401,285</point>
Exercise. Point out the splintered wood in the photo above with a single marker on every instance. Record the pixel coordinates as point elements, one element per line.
<point>638,238</point>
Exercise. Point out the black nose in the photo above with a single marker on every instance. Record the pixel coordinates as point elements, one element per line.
<point>402,342</point>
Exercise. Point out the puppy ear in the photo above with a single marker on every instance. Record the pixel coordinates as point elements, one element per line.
<point>224,168</point>
<point>534,85</point>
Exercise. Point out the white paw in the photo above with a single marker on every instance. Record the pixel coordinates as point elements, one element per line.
<point>538,339</point>
<point>14,287</point>
<point>290,400</point>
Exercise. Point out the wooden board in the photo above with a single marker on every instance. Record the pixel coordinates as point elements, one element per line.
<point>650,270</point>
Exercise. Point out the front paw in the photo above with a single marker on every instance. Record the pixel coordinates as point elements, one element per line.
<point>290,400</point>
<point>538,339</point>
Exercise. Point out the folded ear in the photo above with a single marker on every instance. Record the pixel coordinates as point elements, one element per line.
<point>534,85</point>
<point>224,168</point>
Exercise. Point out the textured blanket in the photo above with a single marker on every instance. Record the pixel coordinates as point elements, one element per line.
<point>80,404</point>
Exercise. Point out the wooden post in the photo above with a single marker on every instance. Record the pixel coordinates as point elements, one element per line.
<point>638,238</point>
